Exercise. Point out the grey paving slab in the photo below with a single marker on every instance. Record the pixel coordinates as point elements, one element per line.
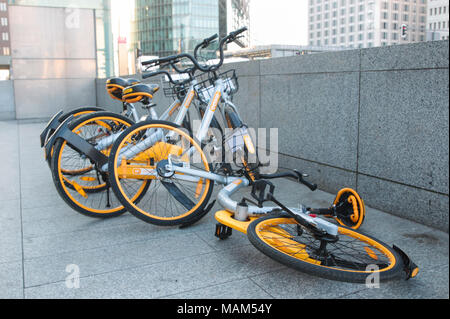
<point>11,248</point>
<point>41,201</point>
<point>11,280</point>
<point>165,278</point>
<point>291,284</point>
<point>126,258</point>
<point>9,213</point>
<point>429,250</point>
<point>10,231</point>
<point>428,287</point>
<point>391,228</point>
<point>36,180</point>
<point>70,222</point>
<point>9,172</point>
<point>88,239</point>
<point>50,269</point>
<point>11,191</point>
<point>59,211</point>
<point>7,110</point>
<point>239,289</point>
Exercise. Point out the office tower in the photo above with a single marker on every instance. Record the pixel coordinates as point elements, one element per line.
<point>438,22</point>
<point>165,27</point>
<point>5,48</point>
<point>366,23</point>
<point>233,15</point>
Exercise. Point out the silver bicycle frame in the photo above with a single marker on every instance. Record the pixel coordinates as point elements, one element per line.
<point>233,184</point>
<point>157,135</point>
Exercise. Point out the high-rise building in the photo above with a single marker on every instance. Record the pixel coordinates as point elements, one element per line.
<point>438,22</point>
<point>165,27</point>
<point>366,23</point>
<point>233,15</point>
<point>5,44</point>
<point>5,48</point>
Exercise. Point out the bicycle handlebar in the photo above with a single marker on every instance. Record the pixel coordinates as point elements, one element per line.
<point>204,44</point>
<point>173,59</point>
<point>234,34</point>
<point>152,74</point>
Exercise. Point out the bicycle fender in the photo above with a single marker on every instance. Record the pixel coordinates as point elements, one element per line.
<point>76,142</point>
<point>51,126</point>
<point>410,268</point>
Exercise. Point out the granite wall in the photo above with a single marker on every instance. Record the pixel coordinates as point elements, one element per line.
<point>376,120</point>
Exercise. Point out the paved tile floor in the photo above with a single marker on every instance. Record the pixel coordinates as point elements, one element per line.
<point>126,258</point>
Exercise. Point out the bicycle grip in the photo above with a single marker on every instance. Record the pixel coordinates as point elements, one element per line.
<point>207,41</point>
<point>149,62</point>
<point>311,186</point>
<point>156,62</point>
<point>237,32</point>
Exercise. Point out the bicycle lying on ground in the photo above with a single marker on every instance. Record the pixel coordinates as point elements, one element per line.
<point>178,178</point>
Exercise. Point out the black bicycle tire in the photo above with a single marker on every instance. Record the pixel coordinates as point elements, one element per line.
<point>54,167</point>
<point>192,217</point>
<point>321,271</point>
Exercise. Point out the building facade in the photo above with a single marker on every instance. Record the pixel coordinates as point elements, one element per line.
<point>166,27</point>
<point>366,23</point>
<point>102,13</point>
<point>5,47</point>
<point>438,22</point>
<point>233,15</point>
<point>57,50</point>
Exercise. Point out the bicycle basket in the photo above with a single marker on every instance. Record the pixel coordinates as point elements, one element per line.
<point>173,91</point>
<point>205,88</point>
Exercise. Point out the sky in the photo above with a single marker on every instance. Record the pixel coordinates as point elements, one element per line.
<point>279,22</point>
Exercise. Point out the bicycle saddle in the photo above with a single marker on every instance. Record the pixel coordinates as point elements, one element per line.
<point>115,86</point>
<point>140,93</point>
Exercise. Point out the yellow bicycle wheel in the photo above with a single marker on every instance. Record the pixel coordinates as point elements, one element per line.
<point>353,257</point>
<point>172,198</point>
<point>79,182</point>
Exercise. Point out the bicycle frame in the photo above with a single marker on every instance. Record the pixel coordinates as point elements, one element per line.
<point>232,184</point>
<point>94,152</point>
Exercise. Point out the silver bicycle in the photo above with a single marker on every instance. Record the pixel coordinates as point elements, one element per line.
<point>179,179</point>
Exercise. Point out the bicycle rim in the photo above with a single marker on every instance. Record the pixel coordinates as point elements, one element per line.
<point>85,189</point>
<point>352,258</point>
<point>169,200</point>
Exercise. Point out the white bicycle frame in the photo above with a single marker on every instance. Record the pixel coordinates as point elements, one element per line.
<point>107,142</point>
<point>232,184</point>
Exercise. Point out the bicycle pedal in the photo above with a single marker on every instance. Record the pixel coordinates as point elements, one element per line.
<point>223,232</point>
